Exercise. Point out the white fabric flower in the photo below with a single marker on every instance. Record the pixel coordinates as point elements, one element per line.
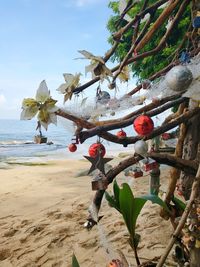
<point>44,105</point>
<point>97,66</point>
<point>71,82</point>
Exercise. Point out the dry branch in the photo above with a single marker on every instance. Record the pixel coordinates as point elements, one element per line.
<point>187,166</point>
<point>174,174</point>
<point>141,110</point>
<point>161,19</point>
<point>124,123</point>
<point>194,193</point>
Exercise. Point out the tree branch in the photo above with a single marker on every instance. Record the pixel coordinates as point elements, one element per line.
<point>98,130</point>
<point>161,19</point>
<point>194,193</point>
<point>188,166</point>
<point>141,110</point>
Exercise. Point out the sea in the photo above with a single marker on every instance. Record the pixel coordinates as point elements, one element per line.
<point>17,142</point>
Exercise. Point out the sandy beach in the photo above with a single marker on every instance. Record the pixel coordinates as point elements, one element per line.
<point>43,210</point>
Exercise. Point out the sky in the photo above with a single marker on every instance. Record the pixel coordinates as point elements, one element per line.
<point>40,40</point>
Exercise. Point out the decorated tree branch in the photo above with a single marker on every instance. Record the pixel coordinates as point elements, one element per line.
<point>156,42</point>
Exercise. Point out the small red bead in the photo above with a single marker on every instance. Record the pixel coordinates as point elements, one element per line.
<point>94,148</point>
<point>72,147</point>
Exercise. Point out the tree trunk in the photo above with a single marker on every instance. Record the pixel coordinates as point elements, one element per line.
<point>190,152</point>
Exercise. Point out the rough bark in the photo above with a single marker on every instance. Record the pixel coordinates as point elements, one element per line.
<point>190,152</point>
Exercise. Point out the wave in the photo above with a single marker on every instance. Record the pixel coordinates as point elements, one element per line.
<point>15,142</point>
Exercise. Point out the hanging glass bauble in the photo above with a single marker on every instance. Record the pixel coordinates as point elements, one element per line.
<point>121,134</point>
<point>103,97</point>
<point>96,148</point>
<point>185,57</point>
<point>141,148</point>
<point>196,21</point>
<point>179,78</point>
<point>72,147</point>
<point>143,125</point>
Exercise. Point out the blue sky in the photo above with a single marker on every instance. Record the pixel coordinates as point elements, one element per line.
<point>40,39</point>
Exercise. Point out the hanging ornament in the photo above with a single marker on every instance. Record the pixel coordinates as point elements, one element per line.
<point>185,57</point>
<point>98,162</point>
<point>72,147</point>
<point>143,125</point>
<point>99,182</point>
<point>196,21</point>
<point>103,97</point>
<point>136,172</point>
<point>95,148</point>
<point>148,164</point>
<point>179,78</point>
<point>166,136</point>
<point>141,148</point>
<point>121,134</point>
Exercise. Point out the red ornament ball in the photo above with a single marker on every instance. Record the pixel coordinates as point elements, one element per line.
<point>143,125</point>
<point>121,134</point>
<point>94,148</point>
<point>72,147</point>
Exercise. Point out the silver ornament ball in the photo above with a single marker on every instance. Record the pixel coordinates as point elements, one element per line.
<point>103,97</point>
<point>141,147</point>
<point>179,78</point>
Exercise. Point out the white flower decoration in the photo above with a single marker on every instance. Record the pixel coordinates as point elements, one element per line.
<point>71,82</point>
<point>97,66</point>
<point>43,104</point>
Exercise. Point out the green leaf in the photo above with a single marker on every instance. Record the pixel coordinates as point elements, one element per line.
<point>180,204</point>
<point>155,199</point>
<point>116,191</point>
<point>74,261</point>
<point>130,208</point>
<point>112,201</point>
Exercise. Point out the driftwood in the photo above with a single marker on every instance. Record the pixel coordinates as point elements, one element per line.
<point>194,193</point>
<point>174,172</point>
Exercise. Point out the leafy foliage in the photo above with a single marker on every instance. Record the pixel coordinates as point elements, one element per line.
<point>146,67</point>
<point>130,207</point>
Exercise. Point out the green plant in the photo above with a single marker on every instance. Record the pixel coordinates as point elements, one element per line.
<point>130,207</point>
<point>75,261</point>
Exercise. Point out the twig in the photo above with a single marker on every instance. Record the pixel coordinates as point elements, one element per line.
<point>195,188</point>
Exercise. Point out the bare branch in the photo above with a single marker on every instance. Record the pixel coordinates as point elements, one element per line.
<point>194,193</point>
<point>124,123</point>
